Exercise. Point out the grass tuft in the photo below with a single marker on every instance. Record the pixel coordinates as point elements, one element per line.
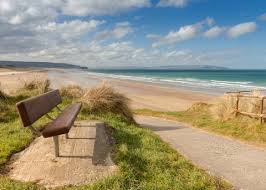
<point>72,91</point>
<point>3,95</point>
<point>38,86</point>
<point>104,99</point>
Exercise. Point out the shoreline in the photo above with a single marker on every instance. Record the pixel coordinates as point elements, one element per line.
<point>162,85</point>
<point>202,81</point>
<point>143,95</point>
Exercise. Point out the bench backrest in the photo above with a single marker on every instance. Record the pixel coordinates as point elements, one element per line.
<point>32,109</point>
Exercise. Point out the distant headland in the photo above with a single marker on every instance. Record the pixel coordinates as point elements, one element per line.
<point>27,64</point>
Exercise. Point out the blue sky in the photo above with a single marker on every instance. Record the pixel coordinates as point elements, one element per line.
<point>105,33</point>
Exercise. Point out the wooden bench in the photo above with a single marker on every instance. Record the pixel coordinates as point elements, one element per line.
<point>32,109</point>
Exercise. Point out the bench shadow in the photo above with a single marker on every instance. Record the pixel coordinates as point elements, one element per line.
<point>131,157</point>
<point>75,156</point>
<point>102,147</point>
<point>81,138</point>
<point>80,125</point>
<point>132,141</point>
<point>161,128</point>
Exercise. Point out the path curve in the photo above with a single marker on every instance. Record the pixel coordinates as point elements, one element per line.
<point>241,164</point>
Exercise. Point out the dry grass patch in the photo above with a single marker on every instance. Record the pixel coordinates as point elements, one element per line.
<point>72,91</point>
<point>200,106</point>
<point>104,99</point>
<point>223,112</point>
<point>3,100</point>
<point>224,109</point>
<point>251,105</point>
<point>39,85</point>
<point>2,94</point>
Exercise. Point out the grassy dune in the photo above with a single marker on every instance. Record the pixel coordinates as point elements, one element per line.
<point>241,127</point>
<point>143,159</point>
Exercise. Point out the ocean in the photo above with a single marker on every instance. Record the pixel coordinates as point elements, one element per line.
<point>216,82</point>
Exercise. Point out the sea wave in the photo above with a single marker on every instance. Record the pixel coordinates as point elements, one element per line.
<point>220,85</point>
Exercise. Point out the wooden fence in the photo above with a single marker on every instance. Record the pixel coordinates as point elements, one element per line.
<point>243,94</point>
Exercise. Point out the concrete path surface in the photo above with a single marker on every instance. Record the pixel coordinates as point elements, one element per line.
<point>243,165</point>
<point>84,158</point>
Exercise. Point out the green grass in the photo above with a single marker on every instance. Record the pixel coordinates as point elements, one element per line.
<point>13,137</point>
<point>242,128</point>
<point>144,161</point>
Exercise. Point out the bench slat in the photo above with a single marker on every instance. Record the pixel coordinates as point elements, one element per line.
<point>63,123</point>
<point>32,109</point>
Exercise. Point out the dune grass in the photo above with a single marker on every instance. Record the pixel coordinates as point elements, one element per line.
<point>143,159</point>
<point>38,85</point>
<point>104,99</point>
<point>201,116</point>
<point>72,91</point>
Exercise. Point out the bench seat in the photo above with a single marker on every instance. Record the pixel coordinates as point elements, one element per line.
<point>63,123</point>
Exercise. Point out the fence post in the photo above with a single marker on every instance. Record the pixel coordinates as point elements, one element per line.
<point>237,104</point>
<point>261,110</point>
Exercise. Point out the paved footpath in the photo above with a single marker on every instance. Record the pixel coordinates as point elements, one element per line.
<point>243,165</point>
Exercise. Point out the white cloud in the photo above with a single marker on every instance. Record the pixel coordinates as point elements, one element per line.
<point>30,37</point>
<point>16,20</point>
<point>241,29</point>
<point>118,32</point>
<point>30,31</point>
<point>68,30</point>
<point>214,32</point>
<point>30,11</point>
<point>263,17</point>
<point>114,54</point>
<point>153,36</point>
<point>182,34</point>
<point>22,11</point>
<point>121,30</point>
<point>5,6</point>
<point>101,7</point>
<point>172,3</point>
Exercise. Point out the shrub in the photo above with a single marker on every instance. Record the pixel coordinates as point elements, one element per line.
<point>72,91</point>
<point>105,99</point>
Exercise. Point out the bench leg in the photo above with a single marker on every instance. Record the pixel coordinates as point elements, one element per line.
<point>56,145</point>
<point>67,137</point>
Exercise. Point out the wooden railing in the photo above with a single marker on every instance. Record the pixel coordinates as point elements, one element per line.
<point>240,94</point>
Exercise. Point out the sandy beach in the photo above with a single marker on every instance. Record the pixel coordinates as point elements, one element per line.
<point>143,95</point>
<point>12,80</point>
